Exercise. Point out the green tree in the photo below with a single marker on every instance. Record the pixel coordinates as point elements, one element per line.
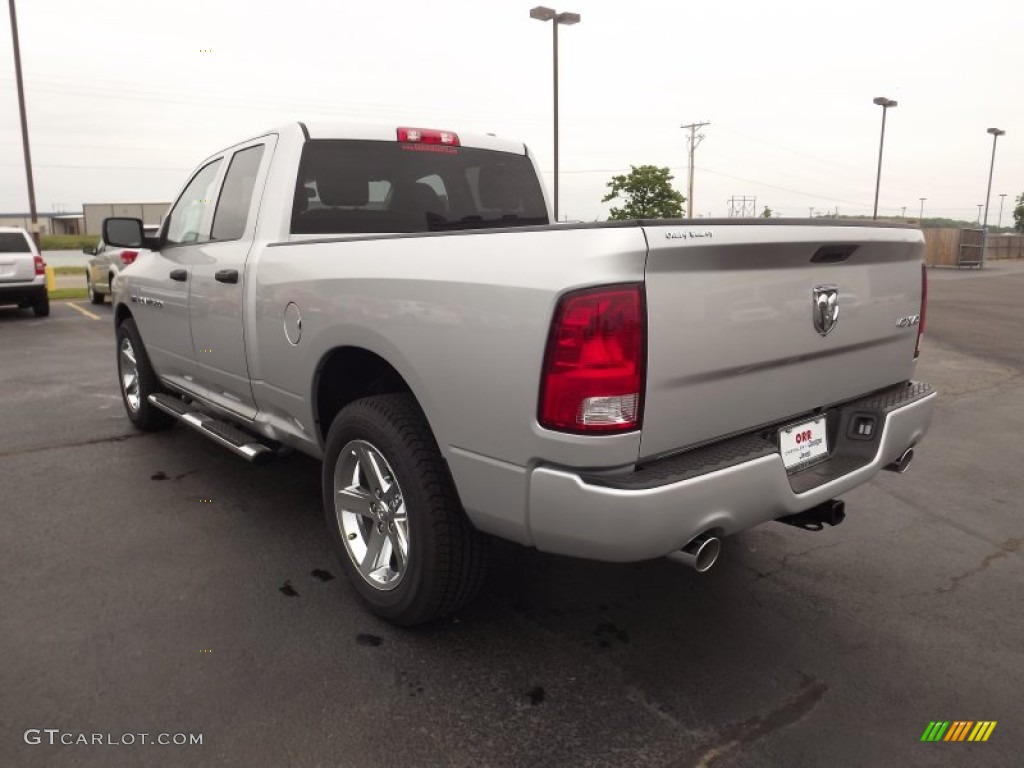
<point>1018,214</point>
<point>766,213</point>
<point>647,193</point>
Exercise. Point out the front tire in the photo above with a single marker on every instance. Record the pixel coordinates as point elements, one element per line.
<point>404,541</point>
<point>138,380</point>
<point>95,297</point>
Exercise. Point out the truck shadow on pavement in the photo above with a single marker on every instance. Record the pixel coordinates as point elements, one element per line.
<point>550,632</point>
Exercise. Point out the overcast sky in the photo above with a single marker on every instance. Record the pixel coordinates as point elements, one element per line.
<point>126,97</point>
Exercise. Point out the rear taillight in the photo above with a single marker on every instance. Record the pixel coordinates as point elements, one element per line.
<point>40,265</point>
<point>593,376</point>
<point>924,309</point>
<point>427,136</point>
<point>129,257</point>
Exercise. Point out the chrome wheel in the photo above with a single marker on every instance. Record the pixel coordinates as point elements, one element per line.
<point>371,516</point>
<point>129,375</point>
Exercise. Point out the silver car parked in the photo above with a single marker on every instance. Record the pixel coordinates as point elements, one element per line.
<point>106,263</point>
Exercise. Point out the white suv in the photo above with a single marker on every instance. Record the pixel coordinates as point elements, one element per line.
<point>22,272</point>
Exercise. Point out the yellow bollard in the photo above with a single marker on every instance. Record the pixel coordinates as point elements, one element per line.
<point>51,281</point>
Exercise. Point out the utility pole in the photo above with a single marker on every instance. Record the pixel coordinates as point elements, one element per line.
<point>904,214</point>
<point>693,139</point>
<point>920,218</point>
<point>1002,198</point>
<point>979,214</point>
<point>24,127</point>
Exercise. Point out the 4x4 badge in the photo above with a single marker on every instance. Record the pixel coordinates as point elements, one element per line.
<point>826,308</point>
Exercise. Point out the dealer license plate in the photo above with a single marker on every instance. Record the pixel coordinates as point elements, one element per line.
<point>803,444</point>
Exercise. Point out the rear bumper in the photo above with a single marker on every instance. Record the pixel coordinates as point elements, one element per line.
<point>16,293</point>
<point>726,488</point>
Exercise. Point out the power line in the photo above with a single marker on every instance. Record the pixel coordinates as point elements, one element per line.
<point>784,148</point>
<point>132,93</point>
<point>785,189</point>
<point>818,196</point>
<point>99,167</point>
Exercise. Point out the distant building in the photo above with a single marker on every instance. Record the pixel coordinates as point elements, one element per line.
<point>49,223</point>
<point>95,213</point>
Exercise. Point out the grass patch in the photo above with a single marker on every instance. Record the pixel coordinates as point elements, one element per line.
<point>69,270</point>
<point>69,293</point>
<point>68,242</point>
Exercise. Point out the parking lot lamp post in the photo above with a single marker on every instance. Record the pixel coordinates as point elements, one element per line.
<point>884,103</point>
<point>1002,199</point>
<point>996,133</point>
<point>920,218</point>
<point>550,14</point>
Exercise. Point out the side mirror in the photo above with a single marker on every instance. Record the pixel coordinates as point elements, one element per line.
<point>89,250</point>
<point>123,233</point>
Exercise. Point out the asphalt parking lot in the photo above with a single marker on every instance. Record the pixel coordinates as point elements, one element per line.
<point>157,584</point>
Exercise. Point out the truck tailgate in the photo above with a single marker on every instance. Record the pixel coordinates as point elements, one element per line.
<point>732,339</point>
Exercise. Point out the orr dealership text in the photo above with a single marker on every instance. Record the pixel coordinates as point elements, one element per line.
<point>55,736</point>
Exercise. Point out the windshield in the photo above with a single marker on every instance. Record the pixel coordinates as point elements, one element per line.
<point>382,186</point>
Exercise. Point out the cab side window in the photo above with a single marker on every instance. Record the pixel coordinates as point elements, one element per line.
<point>186,219</point>
<point>236,195</point>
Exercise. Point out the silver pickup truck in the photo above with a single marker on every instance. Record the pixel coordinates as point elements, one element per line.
<point>396,303</point>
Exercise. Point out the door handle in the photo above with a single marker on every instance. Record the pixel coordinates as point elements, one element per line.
<point>181,275</point>
<point>226,276</point>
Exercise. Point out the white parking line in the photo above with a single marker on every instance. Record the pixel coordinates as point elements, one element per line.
<point>85,312</point>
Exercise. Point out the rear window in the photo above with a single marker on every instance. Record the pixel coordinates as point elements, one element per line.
<point>380,187</point>
<point>14,242</point>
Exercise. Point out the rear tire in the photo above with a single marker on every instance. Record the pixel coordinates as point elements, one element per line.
<point>138,380</point>
<point>95,297</point>
<point>392,510</point>
<point>41,306</point>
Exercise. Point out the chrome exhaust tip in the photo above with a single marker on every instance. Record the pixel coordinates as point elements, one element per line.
<point>902,463</point>
<point>700,554</point>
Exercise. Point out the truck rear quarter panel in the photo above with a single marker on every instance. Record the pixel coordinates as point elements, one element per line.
<point>464,318</point>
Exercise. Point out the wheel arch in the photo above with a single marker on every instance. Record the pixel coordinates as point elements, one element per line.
<point>121,313</point>
<point>348,373</point>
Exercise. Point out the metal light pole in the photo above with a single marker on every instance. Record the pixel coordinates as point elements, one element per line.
<point>884,103</point>
<point>978,220</point>
<point>550,14</point>
<point>920,218</point>
<point>24,127</point>
<point>996,133</point>
<point>1002,199</point>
